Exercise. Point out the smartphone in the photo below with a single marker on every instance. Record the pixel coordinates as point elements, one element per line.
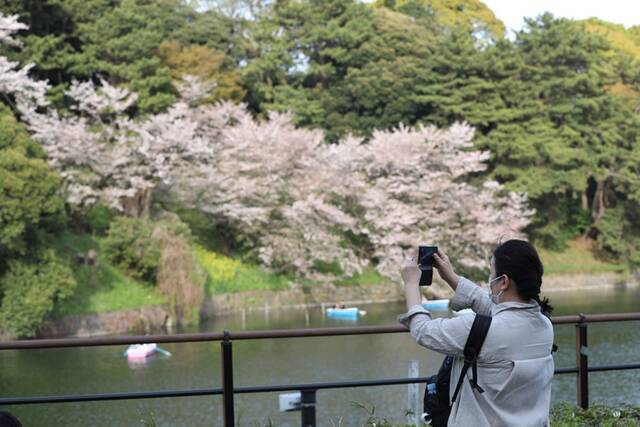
<point>425,263</point>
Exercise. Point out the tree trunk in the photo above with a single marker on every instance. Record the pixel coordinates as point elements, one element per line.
<point>599,204</point>
<point>585,200</point>
<point>138,206</point>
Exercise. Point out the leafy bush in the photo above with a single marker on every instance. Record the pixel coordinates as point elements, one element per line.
<point>332,267</point>
<point>129,246</point>
<point>99,218</point>
<point>28,189</point>
<point>616,223</point>
<point>31,290</point>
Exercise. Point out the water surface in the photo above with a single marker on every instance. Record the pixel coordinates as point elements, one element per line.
<point>295,360</point>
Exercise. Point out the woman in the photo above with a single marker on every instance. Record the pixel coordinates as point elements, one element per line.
<point>515,366</point>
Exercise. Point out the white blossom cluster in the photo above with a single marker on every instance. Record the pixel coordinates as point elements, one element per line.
<point>14,80</point>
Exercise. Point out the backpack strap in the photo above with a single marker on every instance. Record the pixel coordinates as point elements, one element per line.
<point>472,348</point>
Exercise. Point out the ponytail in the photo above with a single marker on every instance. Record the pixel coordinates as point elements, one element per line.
<point>519,260</point>
<point>544,304</point>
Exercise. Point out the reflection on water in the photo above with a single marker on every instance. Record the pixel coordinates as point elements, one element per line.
<point>197,365</point>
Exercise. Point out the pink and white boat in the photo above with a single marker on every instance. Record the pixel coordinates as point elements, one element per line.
<point>140,351</point>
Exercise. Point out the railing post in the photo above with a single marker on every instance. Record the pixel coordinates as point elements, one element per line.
<point>227,380</point>
<point>413,398</point>
<point>308,408</point>
<point>582,383</point>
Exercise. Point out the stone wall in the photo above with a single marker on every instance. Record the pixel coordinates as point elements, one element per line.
<point>310,297</point>
<point>141,321</point>
<point>299,297</point>
<point>562,282</point>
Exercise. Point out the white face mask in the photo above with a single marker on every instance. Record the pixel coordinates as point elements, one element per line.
<point>494,298</point>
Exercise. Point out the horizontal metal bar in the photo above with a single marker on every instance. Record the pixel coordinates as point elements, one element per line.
<point>206,392</point>
<point>561,371</point>
<point>197,337</point>
<point>108,396</point>
<point>613,367</point>
<point>329,385</point>
<point>257,389</point>
<point>595,318</point>
<point>247,335</point>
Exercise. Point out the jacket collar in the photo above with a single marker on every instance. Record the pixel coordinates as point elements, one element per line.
<point>512,305</point>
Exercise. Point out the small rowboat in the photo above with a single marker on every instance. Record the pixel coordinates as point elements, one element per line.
<point>436,304</point>
<point>345,313</point>
<point>142,351</point>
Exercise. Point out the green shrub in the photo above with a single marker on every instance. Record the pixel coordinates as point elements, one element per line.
<point>618,232</point>
<point>99,218</point>
<point>129,246</point>
<point>208,230</point>
<point>328,267</point>
<point>31,290</point>
<point>29,200</point>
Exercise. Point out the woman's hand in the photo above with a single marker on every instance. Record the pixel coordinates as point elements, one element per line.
<point>411,277</point>
<point>410,272</point>
<point>445,270</point>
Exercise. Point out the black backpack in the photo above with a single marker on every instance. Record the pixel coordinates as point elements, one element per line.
<point>436,404</point>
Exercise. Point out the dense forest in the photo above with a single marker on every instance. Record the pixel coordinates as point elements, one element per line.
<point>170,142</point>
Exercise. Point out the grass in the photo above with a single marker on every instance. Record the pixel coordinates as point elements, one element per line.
<point>228,275</point>
<point>368,276</point>
<point>102,287</point>
<point>565,415</point>
<point>562,415</point>
<point>578,257</point>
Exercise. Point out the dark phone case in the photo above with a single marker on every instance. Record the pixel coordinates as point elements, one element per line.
<point>425,263</point>
<point>426,275</point>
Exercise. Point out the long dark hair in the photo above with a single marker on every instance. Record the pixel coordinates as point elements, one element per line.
<point>519,260</point>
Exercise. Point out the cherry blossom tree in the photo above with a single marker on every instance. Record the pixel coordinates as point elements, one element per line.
<point>13,79</point>
<point>302,202</point>
<point>106,157</point>
<point>416,192</point>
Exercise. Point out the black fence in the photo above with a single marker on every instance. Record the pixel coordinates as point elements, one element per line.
<point>308,390</point>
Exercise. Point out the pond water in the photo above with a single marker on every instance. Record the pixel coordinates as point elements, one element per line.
<point>296,360</point>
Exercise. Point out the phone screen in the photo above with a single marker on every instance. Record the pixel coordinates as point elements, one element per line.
<point>425,255</point>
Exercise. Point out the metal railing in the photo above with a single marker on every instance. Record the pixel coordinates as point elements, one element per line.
<point>308,390</point>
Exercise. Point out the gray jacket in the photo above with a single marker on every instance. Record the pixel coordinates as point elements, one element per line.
<point>515,366</point>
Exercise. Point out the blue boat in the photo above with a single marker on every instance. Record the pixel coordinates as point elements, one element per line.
<point>343,313</point>
<point>437,304</point>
